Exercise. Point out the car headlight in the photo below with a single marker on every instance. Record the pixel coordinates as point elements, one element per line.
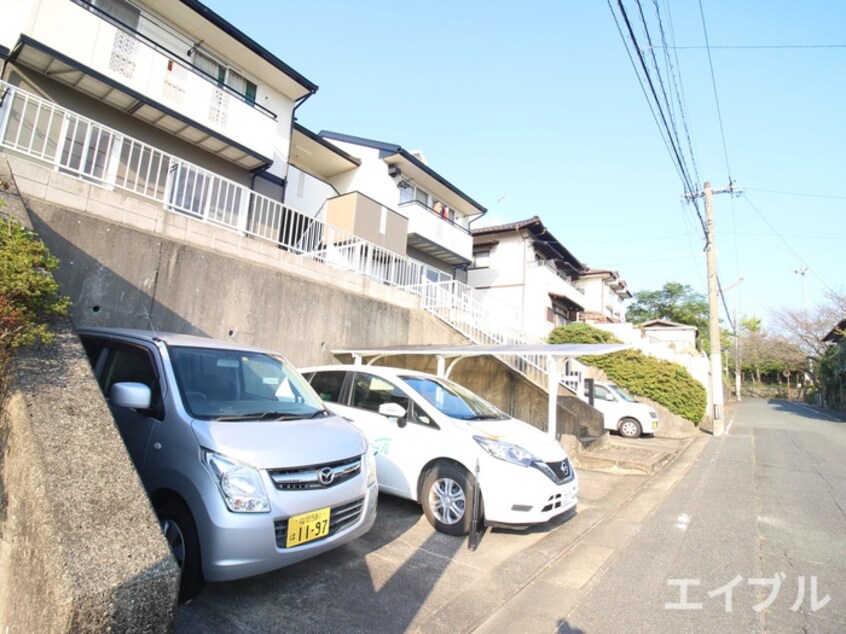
<point>240,485</point>
<point>370,462</point>
<point>506,451</point>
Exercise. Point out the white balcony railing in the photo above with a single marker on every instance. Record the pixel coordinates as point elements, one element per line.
<point>129,60</point>
<point>102,156</point>
<point>440,231</point>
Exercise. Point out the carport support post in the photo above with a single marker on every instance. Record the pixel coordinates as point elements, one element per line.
<point>441,365</point>
<point>553,372</point>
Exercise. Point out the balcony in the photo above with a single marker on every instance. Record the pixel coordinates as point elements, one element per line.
<point>440,237</point>
<point>130,72</point>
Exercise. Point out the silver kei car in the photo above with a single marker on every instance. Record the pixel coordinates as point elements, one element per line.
<point>245,467</point>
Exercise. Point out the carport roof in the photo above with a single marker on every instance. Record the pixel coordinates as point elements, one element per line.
<point>555,355</point>
<point>568,350</point>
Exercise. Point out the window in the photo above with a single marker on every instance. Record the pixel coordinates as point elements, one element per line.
<point>601,394</point>
<point>129,365</point>
<point>328,385</point>
<point>482,259</point>
<point>121,11</point>
<point>226,76</point>
<point>421,196</point>
<point>370,392</point>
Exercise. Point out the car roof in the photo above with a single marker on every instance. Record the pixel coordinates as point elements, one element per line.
<point>169,338</point>
<point>378,370</point>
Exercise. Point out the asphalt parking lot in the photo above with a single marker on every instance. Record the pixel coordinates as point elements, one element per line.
<point>405,576</point>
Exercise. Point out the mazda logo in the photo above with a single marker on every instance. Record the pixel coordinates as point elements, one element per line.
<point>326,475</point>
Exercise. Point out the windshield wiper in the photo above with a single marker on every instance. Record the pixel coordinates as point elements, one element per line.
<point>483,417</point>
<point>259,416</point>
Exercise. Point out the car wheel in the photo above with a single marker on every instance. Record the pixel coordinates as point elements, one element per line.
<point>629,428</point>
<point>446,497</point>
<point>181,536</point>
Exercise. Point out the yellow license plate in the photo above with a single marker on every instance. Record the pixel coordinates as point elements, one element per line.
<point>307,527</point>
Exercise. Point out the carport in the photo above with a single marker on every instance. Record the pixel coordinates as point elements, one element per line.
<point>555,356</point>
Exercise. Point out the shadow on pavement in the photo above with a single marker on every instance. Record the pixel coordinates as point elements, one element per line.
<point>807,411</point>
<point>359,587</point>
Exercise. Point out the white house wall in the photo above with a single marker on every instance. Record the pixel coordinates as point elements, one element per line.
<point>84,42</point>
<point>370,178</point>
<point>307,193</point>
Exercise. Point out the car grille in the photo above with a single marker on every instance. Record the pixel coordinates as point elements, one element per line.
<point>319,476</point>
<point>340,517</point>
<point>559,472</point>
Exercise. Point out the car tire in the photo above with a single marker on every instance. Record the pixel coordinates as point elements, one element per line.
<point>180,533</point>
<point>629,428</point>
<point>446,496</point>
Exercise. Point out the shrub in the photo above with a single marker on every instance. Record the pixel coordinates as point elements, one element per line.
<point>669,384</point>
<point>580,332</point>
<point>29,296</point>
<point>666,383</point>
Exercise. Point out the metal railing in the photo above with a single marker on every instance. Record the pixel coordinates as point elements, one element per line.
<point>103,156</point>
<point>79,146</point>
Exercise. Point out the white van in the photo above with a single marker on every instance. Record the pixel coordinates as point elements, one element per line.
<point>622,412</point>
<point>429,435</point>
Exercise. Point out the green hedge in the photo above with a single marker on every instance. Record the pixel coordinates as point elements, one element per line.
<point>666,383</point>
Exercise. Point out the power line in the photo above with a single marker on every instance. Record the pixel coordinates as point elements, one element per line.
<point>754,46</point>
<point>787,244</point>
<point>776,191</point>
<point>716,97</point>
<point>660,117</point>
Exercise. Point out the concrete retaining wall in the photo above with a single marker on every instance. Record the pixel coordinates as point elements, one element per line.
<point>127,262</point>
<point>80,547</point>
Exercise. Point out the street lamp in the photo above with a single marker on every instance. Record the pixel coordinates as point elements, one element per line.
<point>801,272</point>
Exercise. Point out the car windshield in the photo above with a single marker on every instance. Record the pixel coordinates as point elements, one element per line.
<point>622,393</point>
<point>453,400</point>
<point>235,385</point>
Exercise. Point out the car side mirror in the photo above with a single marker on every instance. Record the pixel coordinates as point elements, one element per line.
<point>132,395</point>
<point>394,410</point>
<point>609,397</point>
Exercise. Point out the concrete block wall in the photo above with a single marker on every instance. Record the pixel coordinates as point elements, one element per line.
<point>80,547</point>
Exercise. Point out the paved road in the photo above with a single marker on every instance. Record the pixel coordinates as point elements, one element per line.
<point>754,533</point>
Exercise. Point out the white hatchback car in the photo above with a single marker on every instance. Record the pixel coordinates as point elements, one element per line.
<point>622,412</point>
<point>430,434</point>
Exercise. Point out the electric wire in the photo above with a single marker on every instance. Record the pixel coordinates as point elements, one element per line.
<point>787,244</point>
<point>777,191</point>
<point>757,46</point>
<point>716,96</point>
<point>655,104</point>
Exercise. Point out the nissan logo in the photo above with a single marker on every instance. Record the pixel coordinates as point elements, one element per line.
<point>326,475</point>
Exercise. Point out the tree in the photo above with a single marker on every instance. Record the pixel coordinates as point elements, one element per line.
<point>675,302</point>
<point>800,333</point>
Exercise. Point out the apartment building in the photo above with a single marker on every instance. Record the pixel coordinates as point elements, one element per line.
<point>172,75</point>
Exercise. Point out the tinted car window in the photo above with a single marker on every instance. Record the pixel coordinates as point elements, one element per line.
<point>93,348</point>
<point>370,392</point>
<point>328,385</point>
<point>600,393</point>
<point>129,364</point>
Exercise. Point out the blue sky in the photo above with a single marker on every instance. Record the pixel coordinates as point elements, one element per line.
<point>533,108</point>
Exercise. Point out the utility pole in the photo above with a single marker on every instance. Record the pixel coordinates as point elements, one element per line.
<point>717,399</point>
<point>737,358</point>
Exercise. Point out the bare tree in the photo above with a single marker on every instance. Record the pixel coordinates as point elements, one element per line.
<point>800,333</point>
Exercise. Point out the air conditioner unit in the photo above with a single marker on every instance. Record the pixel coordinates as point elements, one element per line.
<point>394,171</point>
